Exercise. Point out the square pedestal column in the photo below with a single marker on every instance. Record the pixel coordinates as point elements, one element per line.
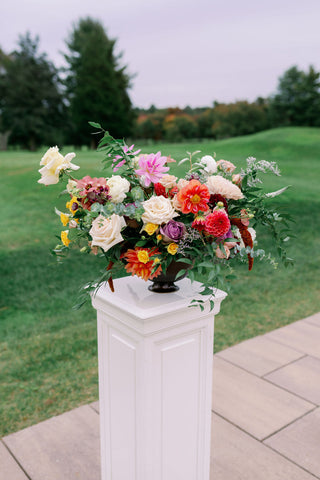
<point>155,374</point>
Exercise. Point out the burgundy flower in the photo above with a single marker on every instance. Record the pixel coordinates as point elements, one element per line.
<point>216,198</point>
<point>93,190</point>
<point>172,231</point>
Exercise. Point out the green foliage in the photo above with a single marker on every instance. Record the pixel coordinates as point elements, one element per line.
<point>97,85</point>
<point>31,103</point>
<point>240,118</point>
<point>297,101</point>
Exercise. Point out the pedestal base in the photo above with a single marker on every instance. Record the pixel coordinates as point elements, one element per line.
<point>155,369</point>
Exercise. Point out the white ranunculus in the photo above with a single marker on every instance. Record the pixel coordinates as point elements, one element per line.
<point>106,232</point>
<point>158,210</point>
<point>222,186</point>
<point>53,162</point>
<point>210,164</point>
<point>118,188</point>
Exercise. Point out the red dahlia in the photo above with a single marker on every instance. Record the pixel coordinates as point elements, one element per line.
<point>217,223</point>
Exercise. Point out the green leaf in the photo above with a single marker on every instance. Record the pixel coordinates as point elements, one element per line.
<point>95,124</point>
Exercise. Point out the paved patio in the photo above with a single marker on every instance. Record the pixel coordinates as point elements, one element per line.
<point>265,425</point>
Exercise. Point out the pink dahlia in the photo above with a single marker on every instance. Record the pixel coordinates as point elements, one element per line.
<point>152,167</point>
<point>217,223</point>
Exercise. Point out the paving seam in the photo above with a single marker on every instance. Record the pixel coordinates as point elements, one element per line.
<point>14,458</point>
<point>290,460</point>
<point>266,445</point>
<point>289,391</point>
<point>290,423</point>
<point>98,413</point>
<point>271,371</point>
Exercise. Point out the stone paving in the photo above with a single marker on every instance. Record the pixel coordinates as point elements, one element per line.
<point>265,422</point>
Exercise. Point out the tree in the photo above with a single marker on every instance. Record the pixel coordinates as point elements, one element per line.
<point>30,101</point>
<point>297,101</point>
<point>96,83</point>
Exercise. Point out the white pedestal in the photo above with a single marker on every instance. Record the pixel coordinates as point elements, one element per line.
<point>155,371</point>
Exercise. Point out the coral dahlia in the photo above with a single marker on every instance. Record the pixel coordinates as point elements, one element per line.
<point>194,197</point>
<point>141,263</point>
<point>217,223</point>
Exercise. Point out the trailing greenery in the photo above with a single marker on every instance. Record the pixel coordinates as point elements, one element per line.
<point>48,354</point>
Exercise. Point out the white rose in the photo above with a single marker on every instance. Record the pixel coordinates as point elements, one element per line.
<point>218,184</point>
<point>210,164</point>
<point>168,181</point>
<point>118,187</point>
<point>106,232</point>
<point>72,188</point>
<point>53,163</point>
<point>158,210</point>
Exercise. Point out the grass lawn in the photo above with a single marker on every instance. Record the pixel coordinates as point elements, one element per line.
<point>48,352</point>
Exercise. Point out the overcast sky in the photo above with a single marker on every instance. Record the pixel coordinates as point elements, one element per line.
<point>184,52</point>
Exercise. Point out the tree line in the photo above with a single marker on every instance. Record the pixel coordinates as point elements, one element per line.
<point>43,105</point>
<point>296,103</point>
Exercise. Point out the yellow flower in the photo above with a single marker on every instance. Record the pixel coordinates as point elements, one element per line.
<point>172,248</point>
<point>143,256</point>
<point>150,228</point>
<point>64,238</point>
<point>64,219</point>
<point>159,237</point>
<point>73,205</point>
<point>156,260</point>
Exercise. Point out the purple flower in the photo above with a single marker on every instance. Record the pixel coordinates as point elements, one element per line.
<point>152,167</point>
<point>172,231</point>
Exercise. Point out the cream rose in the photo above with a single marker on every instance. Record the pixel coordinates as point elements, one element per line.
<point>218,184</point>
<point>168,181</point>
<point>53,163</point>
<point>210,164</point>
<point>226,165</point>
<point>158,210</point>
<point>118,187</point>
<point>176,204</point>
<point>182,183</point>
<point>106,232</point>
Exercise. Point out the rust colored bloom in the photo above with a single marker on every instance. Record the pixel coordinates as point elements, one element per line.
<point>246,237</point>
<point>217,223</point>
<point>194,197</point>
<point>141,263</point>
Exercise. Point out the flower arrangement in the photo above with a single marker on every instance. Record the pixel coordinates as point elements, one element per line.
<point>142,217</point>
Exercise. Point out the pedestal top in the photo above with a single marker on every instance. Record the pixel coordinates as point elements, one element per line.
<point>132,296</point>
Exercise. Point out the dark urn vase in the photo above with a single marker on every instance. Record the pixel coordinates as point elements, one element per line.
<point>164,283</point>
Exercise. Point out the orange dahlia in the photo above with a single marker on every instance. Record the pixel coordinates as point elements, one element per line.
<point>141,262</point>
<point>194,197</point>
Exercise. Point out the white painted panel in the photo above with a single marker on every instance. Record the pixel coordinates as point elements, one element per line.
<point>180,376</point>
<point>122,382</point>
